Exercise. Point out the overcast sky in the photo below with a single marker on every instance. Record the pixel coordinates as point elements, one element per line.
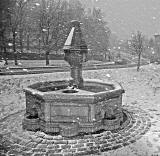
<point>127,16</point>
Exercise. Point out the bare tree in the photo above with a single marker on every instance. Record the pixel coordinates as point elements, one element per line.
<point>29,23</point>
<point>5,6</point>
<point>45,24</point>
<point>22,21</point>
<point>49,24</point>
<point>16,23</point>
<point>138,45</point>
<point>96,33</point>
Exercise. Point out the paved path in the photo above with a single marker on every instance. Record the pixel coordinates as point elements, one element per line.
<point>38,66</point>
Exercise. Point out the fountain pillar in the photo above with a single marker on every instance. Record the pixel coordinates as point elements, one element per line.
<point>75,50</point>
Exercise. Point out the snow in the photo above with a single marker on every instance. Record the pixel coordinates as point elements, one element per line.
<point>142,89</point>
<point>37,4</point>
<point>153,17</point>
<point>44,30</point>
<point>25,70</point>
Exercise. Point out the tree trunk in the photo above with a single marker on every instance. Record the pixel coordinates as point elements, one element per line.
<point>109,55</point>
<point>105,56</point>
<point>47,58</point>
<point>3,48</point>
<point>14,48</point>
<point>21,40</point>
<point>139,61</point>
<point>5,55</point>
<point>39,46</point>
<point>1,43</point>
<point>28,42</point>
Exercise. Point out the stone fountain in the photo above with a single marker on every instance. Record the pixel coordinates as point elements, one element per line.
<point>71,107</point>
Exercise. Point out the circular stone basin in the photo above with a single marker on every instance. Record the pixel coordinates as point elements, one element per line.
<point>90,86</point>
<point>95,106</point>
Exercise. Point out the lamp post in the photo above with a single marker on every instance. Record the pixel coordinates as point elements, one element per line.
<point>119,54</point>
<point>39,45</point>
<point>45,35</point>
<point>14,47</point>
<point>27,40</point>
<point>109,54</point>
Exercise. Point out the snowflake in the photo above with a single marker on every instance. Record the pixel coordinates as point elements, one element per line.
<point>153,17</point>
<point>25,70</point>
<point>44,30</point>
<point>37,4</point>
<point>108,75</point>
<point>10,44</point>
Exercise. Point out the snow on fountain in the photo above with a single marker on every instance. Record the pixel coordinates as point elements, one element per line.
<point>69,107</point>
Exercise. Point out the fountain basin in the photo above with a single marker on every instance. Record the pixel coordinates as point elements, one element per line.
<point>56,108</point>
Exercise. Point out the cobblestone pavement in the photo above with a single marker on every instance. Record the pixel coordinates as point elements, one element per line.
<point>17,142</point>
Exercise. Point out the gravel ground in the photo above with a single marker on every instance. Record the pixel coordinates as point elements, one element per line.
<point>142,89</point>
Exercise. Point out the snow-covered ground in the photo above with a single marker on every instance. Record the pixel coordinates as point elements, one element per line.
<point>142,89</point>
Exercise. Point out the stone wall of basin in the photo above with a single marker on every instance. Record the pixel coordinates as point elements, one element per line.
<point>87,113</point>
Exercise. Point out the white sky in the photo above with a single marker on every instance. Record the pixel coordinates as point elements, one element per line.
<point>127,16</point>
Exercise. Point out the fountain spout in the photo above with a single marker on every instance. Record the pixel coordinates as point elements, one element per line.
<point>75,50</point>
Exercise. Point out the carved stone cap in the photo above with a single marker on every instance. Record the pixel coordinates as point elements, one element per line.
<point>75,39</point>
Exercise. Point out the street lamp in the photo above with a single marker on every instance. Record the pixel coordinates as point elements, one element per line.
<point>39,43</point>
<point>10,46</point>
<point>37,4</point>
<point>109,54</point>
<point>119,55</point>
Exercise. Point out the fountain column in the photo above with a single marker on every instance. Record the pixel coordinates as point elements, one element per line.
<point>75,50</point>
